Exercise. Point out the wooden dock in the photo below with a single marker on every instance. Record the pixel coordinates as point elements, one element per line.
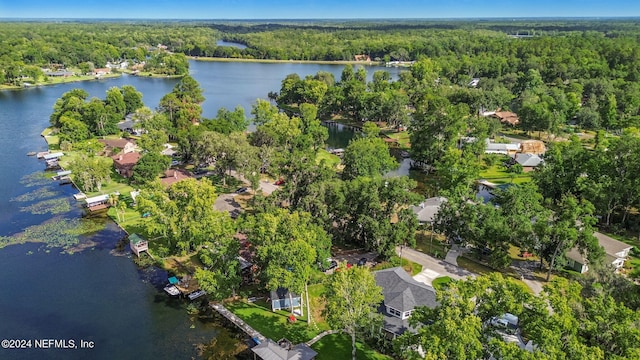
<point>238,322</point>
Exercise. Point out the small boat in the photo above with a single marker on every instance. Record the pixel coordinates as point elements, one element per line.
<point>79,196</point>
<point>196,294</point>
<point>31,153</point>
<point>172,290</point>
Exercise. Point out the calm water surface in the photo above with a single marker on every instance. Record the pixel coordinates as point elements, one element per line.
<point>98,294</point>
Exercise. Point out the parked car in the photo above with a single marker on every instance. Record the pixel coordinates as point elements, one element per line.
<point>279,182</point>
<point>362,262</point>
<point>241,190</point>
<point>332,265</point>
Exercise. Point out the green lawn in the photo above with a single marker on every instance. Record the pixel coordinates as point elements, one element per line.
<point>432,245</point>
<point>331,160</point>
<point>441,282</point>
<point>273,325</point>
<point>498,174</point>
<point>338,346</point>
<point>408,266</point>
<point>52,140</point>
<point>468,263</point>
<point>403,138</point>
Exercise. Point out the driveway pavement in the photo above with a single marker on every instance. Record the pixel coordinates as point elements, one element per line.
<point>431,267</point>
<point>226,202</point>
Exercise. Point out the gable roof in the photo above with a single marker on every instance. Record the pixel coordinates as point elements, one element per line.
<point>611,246</point>
<point>427,210</point>
<point>282,293</point>
<point>116,143</point>
<point>528,160</point>
<point>402,292</point>
<point>126,159</point>
<point>172,176</point>
<point>508,117</point>
<point>270,350</point>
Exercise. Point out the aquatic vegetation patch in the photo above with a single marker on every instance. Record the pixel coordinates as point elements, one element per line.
<point>38,194</point>
<point>51,206</point>
<point>38,178</point>
<point>57,232</point>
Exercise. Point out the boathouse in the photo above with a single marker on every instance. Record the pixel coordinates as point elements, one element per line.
<point>52,156</point>
<point>282,350</point>
<point>97,202</point>
<point>138,244</point>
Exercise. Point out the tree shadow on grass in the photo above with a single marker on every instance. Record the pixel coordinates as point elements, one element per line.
<point>272,325</point>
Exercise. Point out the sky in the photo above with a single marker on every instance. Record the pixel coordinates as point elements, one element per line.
<point>314,9</point>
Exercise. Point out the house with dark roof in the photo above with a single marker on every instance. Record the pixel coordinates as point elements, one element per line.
<point>124,163</point>
<point>427,210</point>
<point>282,350</point>
<point>616,253</point>
<point>402,294</point>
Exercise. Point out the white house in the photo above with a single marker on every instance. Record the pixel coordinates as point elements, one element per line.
<point>616,252</point>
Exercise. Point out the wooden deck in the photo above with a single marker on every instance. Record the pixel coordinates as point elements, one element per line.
<point>238,322</point>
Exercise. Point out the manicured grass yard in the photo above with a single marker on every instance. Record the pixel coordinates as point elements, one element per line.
<point>498,174</point>
<point>338,346</point>
<point>273,325</point>
<point>330,160</point>
<point>432,245</point>
<point>441,282</point>
<point>403,138</point>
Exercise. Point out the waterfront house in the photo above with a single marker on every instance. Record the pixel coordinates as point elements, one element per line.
<point>362,57</point>
<point>401,296</point>
<point>616,253</point>
<point>100,72</point>
<point>427,210</point>
<point>138,244</point>
<point>124,163</point>
<point>282,350</point>
<point>283,299</point>
<point>118,145</point>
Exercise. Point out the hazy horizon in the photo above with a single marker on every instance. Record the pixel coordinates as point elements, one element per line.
<point>316,10</point>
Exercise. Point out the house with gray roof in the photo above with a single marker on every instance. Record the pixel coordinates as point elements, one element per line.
<point>402,294</point>
<point>616,253</point>
<point>528,161</point>
<point>501,148</point>
<point>282,350</point>
<point>427,210</point>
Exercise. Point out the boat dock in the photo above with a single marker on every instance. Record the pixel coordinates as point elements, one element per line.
<point>238,322</point>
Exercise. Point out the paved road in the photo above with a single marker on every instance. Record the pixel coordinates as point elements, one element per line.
<point>433,268</point>
<point>266,187</point>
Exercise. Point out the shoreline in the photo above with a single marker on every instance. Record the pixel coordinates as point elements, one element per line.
<point>194,58</point>
<point>274,61</point>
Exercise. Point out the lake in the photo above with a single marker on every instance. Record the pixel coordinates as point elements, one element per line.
<point>98,294</point>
